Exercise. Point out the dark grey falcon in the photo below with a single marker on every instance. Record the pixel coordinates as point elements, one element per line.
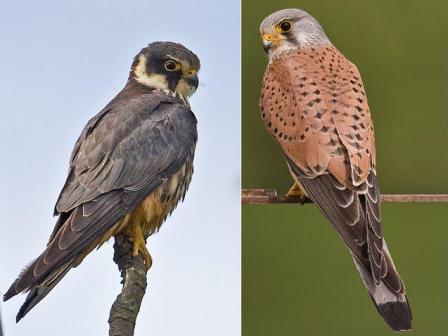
<point>130,167</point>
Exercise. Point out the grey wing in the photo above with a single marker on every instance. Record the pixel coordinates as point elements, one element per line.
<point>130,146</point>
<point>356,217</point>
<point>131,150</point>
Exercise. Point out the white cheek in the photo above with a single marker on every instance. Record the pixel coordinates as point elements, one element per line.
<point>184,89</point>
<point>302,38</point>
<point>154,81</point>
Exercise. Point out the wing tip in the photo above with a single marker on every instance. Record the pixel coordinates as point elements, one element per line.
<point>10,293</point>
<point>12,290</point>
<point>24,280</point>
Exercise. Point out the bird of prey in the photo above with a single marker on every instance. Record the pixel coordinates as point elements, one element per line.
<point>129,168</point>
<point>314,105</point>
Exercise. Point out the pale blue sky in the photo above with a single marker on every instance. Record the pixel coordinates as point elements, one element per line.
<point>62,61</point>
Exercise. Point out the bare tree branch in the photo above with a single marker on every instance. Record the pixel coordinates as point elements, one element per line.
<point>1,327</point>
<point>270,196</point>
<point>124,311</point>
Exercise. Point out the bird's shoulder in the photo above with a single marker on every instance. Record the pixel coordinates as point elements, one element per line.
<point>138,140</point>
<point>126,114</point>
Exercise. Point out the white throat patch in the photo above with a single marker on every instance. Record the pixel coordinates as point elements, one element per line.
<point>283,48</point>
<point>155,81</point>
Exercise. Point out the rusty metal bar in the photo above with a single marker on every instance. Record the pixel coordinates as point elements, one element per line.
<point>270,196</point>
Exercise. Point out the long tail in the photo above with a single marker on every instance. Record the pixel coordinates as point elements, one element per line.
<point>392,305</point>
<point>38,289</point>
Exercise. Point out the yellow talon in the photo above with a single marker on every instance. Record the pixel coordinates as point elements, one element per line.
<point>295,191</point>
<point>139,244</point>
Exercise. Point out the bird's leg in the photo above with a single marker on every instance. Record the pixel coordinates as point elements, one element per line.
<point>295,191</point>
<point>134,232</point>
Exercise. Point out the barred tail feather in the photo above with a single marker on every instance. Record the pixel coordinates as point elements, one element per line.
<point>393,306</point>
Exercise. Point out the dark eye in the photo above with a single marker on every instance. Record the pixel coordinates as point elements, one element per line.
<point>285,26</point>
<point>170,65</point>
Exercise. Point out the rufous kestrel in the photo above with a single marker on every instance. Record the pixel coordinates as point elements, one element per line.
<point>314,105</point>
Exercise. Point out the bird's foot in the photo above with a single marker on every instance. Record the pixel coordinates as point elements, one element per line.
<point>295,191</point>
<point>139,245</point>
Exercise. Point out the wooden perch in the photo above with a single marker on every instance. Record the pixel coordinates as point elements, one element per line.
<point>124,311</point>
<point>1,328</point>
<point>270,196</point>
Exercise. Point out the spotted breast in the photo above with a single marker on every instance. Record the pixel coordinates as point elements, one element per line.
<point>314,105</point>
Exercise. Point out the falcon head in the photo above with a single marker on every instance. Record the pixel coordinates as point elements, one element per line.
<point>290,29</point>
<point>167,66</point>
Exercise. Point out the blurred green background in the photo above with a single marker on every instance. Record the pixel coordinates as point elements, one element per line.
<point>298,277</point>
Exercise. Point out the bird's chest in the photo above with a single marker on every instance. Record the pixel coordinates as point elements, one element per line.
<point>162,201</point>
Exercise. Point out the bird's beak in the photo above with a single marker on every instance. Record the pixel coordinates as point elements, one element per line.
<point>270,40</point>
<point>192,78</point>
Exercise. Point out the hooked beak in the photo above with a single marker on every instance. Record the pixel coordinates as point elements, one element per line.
<point>269,40</point>
<point>192,79</point>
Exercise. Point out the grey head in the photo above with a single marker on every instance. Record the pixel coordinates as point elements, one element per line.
<point>289,29</point>
<point>166,66</point>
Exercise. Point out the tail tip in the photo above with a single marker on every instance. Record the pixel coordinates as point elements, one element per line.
<point>18,317</point>
<point>397,314</point>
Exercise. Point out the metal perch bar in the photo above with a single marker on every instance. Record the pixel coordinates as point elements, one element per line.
<point>270,196</point>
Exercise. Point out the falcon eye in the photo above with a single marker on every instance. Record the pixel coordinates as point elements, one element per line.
<point>285,26</point>
<point>170,65</point>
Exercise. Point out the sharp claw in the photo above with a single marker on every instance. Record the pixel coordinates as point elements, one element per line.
<point>295,191</point>
<point>144,253</point>
<point>139,246</point>
<point>148,260</point>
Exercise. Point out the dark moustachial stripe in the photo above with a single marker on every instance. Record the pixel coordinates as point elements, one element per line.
<point>138,148</point>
